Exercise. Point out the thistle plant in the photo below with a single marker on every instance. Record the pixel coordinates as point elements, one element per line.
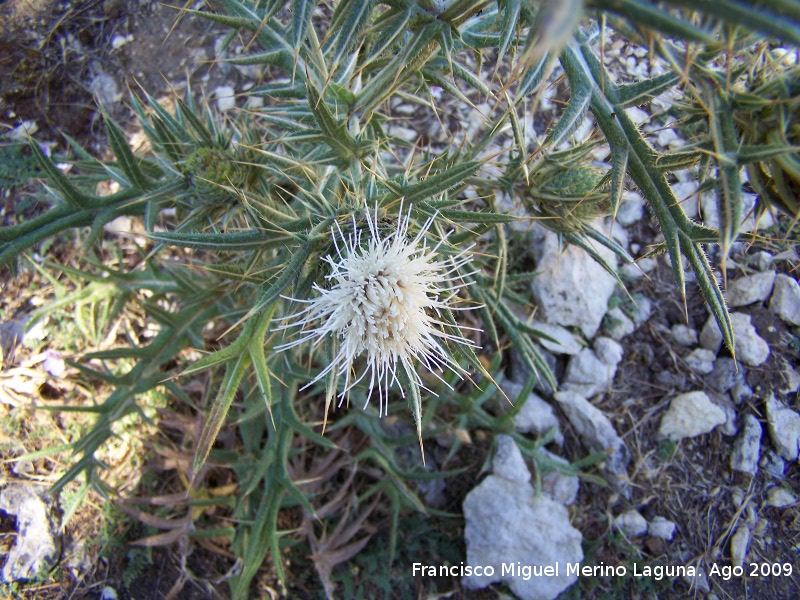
<point>331,257</point>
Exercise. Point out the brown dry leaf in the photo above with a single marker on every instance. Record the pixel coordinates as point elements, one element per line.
<point>160,539</point>
<point>331,550</point>
<point>153,520</point>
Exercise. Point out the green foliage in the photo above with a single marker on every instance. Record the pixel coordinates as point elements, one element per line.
<point>370,575</point>
<point>667,450</point>
<point>240,216</point>
<point>17,166</point>
<point>138,560</point>
<point>568,193</point>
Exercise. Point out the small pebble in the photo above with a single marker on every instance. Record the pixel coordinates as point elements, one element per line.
<point>118,41</point>
<point>750,289</point>
<point>779,497</point>
<point>724,375</point>
<point>739,543</point>
<point>683,335</point>
<point>773,464</point>
<point>747,447</point>
<point>632,523</point>
<point>661,528</point>
<point>711,336</point>
<point>226,99</point>
<point>700,361</point>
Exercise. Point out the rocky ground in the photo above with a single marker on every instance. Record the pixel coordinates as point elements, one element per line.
<point>701,448</point>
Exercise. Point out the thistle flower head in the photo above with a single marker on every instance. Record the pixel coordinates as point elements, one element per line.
<point>383,300</point>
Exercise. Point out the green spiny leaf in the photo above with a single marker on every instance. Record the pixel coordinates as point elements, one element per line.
<point>335,132</point>
<point>678,161</point>
<point>619,167</point>
<point>349,20</point>
<point>69,192</point>
<point>573,116</point>
<point>219,409</point>
<point>127,161</point>
<point>271,57</point>
<point>234,241</point>
<point>642,13</point>
<point>412,58</point>
<point>301,20</point>
<point>436,184</point>
<point>509,25</point>
<point>635,94</point>
<point>533,77</point>
<point>729,190</point>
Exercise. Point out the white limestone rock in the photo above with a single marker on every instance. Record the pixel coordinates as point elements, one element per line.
<point>698,582</point>
<point>747,447</point>
<point>508,462</point>
<point>509,206</point>
<point>617,233</point>
<point>701,361</point>
<point>792,378</point>
<point>592,371</point>
<point>780,497</point>
<point>666,136</point>
<point>773,464</point>
<point>730,426</point>
<point>785,301</point>
<point>710,209</point>
<point>608,351</point>
<point>641,310</point>
<point>572,289</point>
<point>118,41</point>
<point>739,543</point>
<point>38,545</point>
<point>636,114</point>
<point>564,342</point>
<point>683,334</point>
<point>763,260</point>
<point>507,523</point>
<point>586,374</point>
<point>536,416</point>
<point>638,268</point>
<point>661,528</point>
<point>560,487</point>
<point>725,375</point>
<point>741,392</point>
<point>631,208</point>
<point>404,133</point>
<point>751,349</point>
<point>631,523</point>
<point>105,89</point>
<point>53,363</point>
<point>618,324</point>
<point>690,415</point>
<point>710,336</point>
<point>226,98</point>
<point>783,425</point>
<point>750,289</point>
<point>686,193</point>
<point>595,430</point>
<point>254,103</point>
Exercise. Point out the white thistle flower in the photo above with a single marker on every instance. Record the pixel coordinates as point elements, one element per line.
<point>383,301</point>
